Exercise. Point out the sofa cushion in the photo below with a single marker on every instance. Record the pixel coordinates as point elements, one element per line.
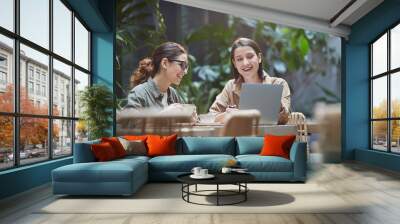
<point>112,171</point>
<point>161,145</point>
<point>103,152</point>
<point>249,145</point>
<point>135,137</point>
<point>277,145</point>
<point>185,163</point>
<point>134,147</point>
<point>257,163</point>
<point>116,145</point>
<point>206,145</point>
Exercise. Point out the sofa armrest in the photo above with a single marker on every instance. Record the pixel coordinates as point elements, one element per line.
<point>298,155</point>
<point>83,152</point>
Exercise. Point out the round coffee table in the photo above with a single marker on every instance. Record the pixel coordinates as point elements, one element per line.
<point>238,179</point>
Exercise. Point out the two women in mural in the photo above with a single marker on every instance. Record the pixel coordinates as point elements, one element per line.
<point>169,63</point>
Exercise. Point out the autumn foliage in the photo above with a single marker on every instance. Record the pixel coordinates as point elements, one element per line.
<point>33,130</point>
<point>380,127</point>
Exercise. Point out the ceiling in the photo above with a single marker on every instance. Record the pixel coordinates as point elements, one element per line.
<point>329,16</point>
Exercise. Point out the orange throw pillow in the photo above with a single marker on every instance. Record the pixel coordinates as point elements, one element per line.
<point>103,151</point>
<point>161,145</point>
<point>135,137</point>
<point>277,145</point>
<point>116,145</point>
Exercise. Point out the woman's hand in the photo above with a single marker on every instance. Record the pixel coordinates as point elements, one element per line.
<point>221,117</point>
<point>283,116</point>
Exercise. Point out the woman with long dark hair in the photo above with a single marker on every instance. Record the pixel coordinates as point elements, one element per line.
<point>246,66</point>
<point>167,66</point>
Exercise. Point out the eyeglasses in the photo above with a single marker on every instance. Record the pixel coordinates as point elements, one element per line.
<point>183,64</point>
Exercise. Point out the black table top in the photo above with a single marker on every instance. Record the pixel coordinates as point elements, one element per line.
<point>220,178</point>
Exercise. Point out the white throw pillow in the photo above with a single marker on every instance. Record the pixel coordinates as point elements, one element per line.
<point>135,147</point>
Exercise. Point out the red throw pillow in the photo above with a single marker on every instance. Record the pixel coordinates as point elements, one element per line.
<point>116,145</point>
<point>103,151</point>
<point>161,145</point>
<point>277,145</point>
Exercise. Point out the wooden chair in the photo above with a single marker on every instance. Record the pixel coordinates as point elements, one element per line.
<point>241,123</point>
<point>147,121</point>
<point>298,119</point>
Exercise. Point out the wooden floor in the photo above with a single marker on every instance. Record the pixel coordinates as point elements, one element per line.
<point>378,188</point>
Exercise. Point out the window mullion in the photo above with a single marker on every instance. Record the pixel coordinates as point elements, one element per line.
<point>50,81</point>
<point>371,97</point>
<point>73,82</point>
<point>389,106</point>
<point>16,84</point>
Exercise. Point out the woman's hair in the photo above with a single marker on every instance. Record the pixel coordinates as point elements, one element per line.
<point>142,72</point>
<point>245,42</point>
<point>150,66</point>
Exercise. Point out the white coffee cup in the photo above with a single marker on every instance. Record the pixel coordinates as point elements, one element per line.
<point>226,170</point>
<point>196,170</point>
<point>203,172</point>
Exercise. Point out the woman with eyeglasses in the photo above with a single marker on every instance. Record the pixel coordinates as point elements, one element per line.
<point>246,66</point>
<point>167,66</point>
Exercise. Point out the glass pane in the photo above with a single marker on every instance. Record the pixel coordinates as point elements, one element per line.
<point>35,21</point>
<point>62,89</point>
<point>7,14</point>
<point>33,139</point>
<point>6,142</point>
<point>81,131</point>
<point>379,135</point>
<point>6,74</point>
<point>62,29</point>
<point>34,97</point>
<point>379,55</point>
<point>81,45</point>
<point>379,97</point>
<point>62,138</point>
<point>395,136</point>
<point>395,94</point>
<point>81,81</point>
<point>395,47</point>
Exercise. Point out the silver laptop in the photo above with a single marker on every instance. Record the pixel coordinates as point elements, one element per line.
<point>264,97</point>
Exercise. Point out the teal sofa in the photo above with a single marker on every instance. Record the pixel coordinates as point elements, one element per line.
<point>125,176</point>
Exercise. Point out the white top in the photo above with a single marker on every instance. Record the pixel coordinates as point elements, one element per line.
<point>164,101</point>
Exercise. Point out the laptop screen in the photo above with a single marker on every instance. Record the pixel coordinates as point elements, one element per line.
<point>264,97</point>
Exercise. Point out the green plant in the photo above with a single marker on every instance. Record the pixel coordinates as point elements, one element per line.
<point>140,28</point>
<point>97,105</point>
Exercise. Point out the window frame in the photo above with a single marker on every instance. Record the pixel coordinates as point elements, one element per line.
<point>16,114</point>
<point>388,74</point>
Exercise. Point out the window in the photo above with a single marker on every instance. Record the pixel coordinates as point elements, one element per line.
<point>37,74</point>
<point>3,61</point>
<point>38,89</point>
<point>30,87</point>
<point>62,31</point>
<point>30,72</point>
<point>34,21</point>
<point>54,125</point>
<point>7,14</point>
<point>7,89</point>
<point>44,77</point>
<point>81,45</point>
<point>44,91</point>
<point>3,72</point>
<point>385,95</point>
